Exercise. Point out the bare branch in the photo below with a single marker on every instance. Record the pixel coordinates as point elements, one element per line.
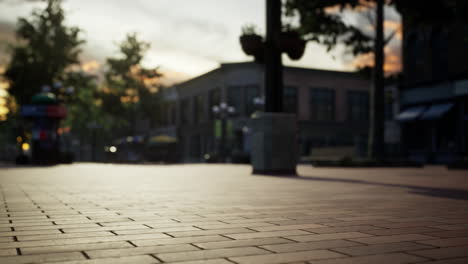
<point>390,37</point>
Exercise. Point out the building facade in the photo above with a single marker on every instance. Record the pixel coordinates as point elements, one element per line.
<point>434,92</point>
<point>332,110</point>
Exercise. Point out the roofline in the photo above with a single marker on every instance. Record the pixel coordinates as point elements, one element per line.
<point>195,78</point>
<point>252,63</point>
<point>233,64</point>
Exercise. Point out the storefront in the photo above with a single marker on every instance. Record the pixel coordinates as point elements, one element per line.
<point>433,133</point>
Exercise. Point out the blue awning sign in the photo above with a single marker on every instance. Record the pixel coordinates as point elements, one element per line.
<point>436,111</point>
<point>411,113</point>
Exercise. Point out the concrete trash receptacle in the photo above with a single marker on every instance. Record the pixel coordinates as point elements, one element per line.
<point>274,144</point>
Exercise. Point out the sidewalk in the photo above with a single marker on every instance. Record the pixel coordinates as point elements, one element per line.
<point>91,213</point>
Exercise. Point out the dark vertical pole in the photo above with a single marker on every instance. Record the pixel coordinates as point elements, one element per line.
<point>223,138</point>
<point>462,131</point>
<point>377,122</point>
<point>273,63</point>
<point>133,121</point>
<point>93,143</point>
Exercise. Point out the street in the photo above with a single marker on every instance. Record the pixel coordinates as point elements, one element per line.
<point>104,213</point>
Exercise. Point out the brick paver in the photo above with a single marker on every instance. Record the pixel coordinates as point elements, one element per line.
<point>86,213</point>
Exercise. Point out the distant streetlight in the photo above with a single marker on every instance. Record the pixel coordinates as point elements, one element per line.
<point>223,111</point>
<point>259,101</point>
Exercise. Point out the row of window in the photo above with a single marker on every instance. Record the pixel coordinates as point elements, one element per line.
<point>321,101</point>
<point>421,52</point>
<point>322,104</point>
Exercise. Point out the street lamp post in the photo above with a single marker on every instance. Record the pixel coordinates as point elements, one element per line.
<point>273,62</point>
<point>273,132</point>
<point>223,111</point>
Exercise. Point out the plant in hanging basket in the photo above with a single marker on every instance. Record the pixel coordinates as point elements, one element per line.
<point>292,44</point>
<point>252,43</point>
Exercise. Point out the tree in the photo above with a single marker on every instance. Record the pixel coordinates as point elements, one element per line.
<point>320,24</point>
<point>84,110</point>
<point>47,47</point>
<point>131,88</point>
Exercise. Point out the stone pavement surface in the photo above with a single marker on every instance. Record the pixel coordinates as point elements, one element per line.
<point>91,213</point>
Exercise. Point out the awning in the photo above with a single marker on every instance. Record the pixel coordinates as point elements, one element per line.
<point>436,111</point>
<point>411,113</point>
<point>162,139</point>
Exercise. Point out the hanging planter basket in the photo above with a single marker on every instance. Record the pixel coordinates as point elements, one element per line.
<point>293,44</point>
<point>252,44</point>
<point>260,56</point>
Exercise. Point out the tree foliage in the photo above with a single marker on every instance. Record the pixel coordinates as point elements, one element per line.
<point>320,22</point>
<point>130,88</point>
<point>84,107</point>
<point>46,48</point>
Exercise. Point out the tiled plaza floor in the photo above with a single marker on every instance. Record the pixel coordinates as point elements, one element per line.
<point>87,213</point>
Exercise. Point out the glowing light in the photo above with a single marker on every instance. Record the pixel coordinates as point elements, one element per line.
<point>19,139</point>
<point>113,149</point>
<point>25,146</point>
<point>4,86</point>
<point>4,110</point>
<point>90,66</point>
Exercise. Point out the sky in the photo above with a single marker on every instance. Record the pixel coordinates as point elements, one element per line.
<point>188,37</point>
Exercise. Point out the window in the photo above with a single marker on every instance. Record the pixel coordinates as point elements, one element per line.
<point>235,98</point>
<point>389,103</point>
<point>290,99</point>
<point>163,110</point>
<point>195,146</point>
<point>214,97</point>
<point>322,104</point>
<point>185,111</point>
<point>198,109</point>
<point>415,57</point>
<point>173,113</point>
<point>358,106</point>
<point>439,54</point>
<point>251,92</point>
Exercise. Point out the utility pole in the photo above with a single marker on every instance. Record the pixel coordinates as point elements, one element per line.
<point>274,132</point>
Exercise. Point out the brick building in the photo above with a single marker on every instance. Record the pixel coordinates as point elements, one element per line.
<point>434,92</point>
<point>332,109</point>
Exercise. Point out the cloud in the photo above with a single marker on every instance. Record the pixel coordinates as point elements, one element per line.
<point>187,37</point>
<point>90,66</point>
<point>364,19</point>
<point>393,62</point>
<point>18,2</point>
<point>172,77</point>
<point>208,37</point>
<point>7,36</point>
